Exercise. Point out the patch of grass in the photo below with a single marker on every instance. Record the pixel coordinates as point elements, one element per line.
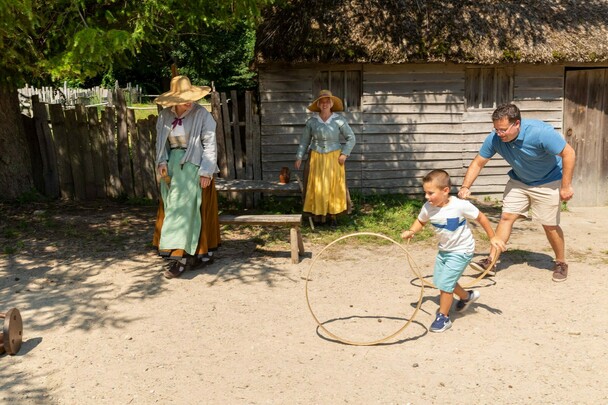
<point>385,214</point>
<point>31,196</point>
<point>140,202</point>
<point>50,223</point>
<point>13,248</point>
<point>140,114</point>
<point>9,250</point>
<point>23,225</point>
<point>519,254</point>
<point>10,233</point>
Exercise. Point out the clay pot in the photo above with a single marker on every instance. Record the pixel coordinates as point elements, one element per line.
<point>284,175</point>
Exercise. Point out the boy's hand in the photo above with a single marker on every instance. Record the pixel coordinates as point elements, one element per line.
<point>498,244</point>
<point>405,235</point>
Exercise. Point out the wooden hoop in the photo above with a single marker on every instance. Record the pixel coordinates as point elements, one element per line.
<point>384,339</point>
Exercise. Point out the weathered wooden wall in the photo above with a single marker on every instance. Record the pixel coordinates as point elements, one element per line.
<point>412,120</point>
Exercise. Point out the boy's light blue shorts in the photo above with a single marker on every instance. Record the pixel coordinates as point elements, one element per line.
<point>449,266</point>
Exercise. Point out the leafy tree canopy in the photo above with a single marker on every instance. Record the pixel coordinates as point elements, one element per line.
<point>79,39</point>
<point>220,57</point>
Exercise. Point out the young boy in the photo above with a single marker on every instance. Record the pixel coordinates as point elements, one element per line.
<point>448,215</point>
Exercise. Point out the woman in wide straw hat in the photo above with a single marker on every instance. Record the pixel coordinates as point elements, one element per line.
<point>326,193</point>
<point>187,226</point>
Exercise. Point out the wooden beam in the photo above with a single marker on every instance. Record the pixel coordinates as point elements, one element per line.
<point>227,138</point>
<point>47,149</point>
<point>236,130</point>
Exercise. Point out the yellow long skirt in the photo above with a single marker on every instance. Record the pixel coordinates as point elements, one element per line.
<point>326,187</point>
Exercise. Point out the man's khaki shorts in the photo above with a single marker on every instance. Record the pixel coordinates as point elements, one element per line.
<point>540,202</point>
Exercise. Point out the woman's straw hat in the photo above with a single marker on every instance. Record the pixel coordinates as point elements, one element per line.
<point>182,91</point>
<point>338,106</point>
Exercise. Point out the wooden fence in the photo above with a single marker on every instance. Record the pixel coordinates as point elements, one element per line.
<point>86,153</point>
<point>72,96</point>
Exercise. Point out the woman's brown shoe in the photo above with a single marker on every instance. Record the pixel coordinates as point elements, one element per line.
<point>175,270</point>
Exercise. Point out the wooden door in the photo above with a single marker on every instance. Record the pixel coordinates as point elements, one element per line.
<point>585,128</point>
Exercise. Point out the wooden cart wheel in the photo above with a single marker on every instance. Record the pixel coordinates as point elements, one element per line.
<point>12,332</point>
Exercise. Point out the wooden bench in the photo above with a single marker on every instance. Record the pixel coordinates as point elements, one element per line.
<point>258,186</point>
<point>292,220</point>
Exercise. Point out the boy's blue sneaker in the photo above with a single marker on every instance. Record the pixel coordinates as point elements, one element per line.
<point>462,305</point>
<point>441,324</point>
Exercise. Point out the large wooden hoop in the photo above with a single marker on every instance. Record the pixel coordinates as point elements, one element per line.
<point>352,342</point>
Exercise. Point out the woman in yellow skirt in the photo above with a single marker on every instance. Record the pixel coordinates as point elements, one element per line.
<point>326,186</point>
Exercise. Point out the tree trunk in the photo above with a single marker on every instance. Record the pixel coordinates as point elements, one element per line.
<point>15,164</point>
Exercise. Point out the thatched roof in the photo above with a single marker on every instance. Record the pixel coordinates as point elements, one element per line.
<point>461,31</point>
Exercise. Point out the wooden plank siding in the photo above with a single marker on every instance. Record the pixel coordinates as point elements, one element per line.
<point>413,118</point>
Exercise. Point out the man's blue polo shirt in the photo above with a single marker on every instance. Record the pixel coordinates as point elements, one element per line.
<point>532,155</point>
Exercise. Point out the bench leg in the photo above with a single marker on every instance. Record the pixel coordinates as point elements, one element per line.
<point>300,242</point>
<point>293,240</point>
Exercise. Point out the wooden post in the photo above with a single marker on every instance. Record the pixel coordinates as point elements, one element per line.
<point>256,149</point>
<point>136,157</point>
<point>47,149</point>
<point>227,138</point>
<point>248,136</point>
<point>124,162</point>
<point>146,153</point>
<point>113,184</point>
<point>295,244</point>
<point>33,150</point>
<point>236,130</point>
<point>75,155</point>
<point>216,112</point>
<point>250,200</point>
<point>82,125</point>
<point>64,169</point>
<point>97,148</point>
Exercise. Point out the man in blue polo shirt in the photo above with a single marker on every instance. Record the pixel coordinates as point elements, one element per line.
<point>542,164</point>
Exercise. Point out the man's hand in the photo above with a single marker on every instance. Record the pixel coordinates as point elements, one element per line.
<point>464,193</point>
<point>566,193</point>
<point>297,164</point>
<point>498,244</point>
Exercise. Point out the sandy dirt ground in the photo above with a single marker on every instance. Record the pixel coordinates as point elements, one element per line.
<point>102,326</point>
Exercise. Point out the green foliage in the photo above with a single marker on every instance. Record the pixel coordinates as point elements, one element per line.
<point>220,56</point>
<point>79,39</point>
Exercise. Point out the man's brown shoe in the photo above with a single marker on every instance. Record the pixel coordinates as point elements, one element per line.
<point>560,271</point>
<point>483,265</point>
